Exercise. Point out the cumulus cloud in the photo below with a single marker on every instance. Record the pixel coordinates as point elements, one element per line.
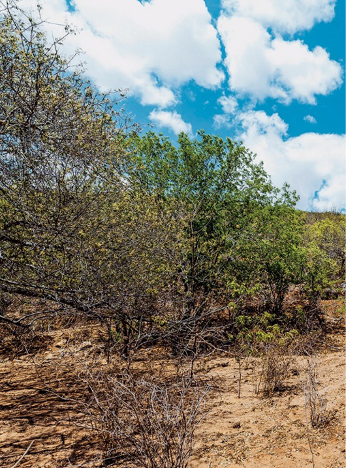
<point>154,47</point>
<point>310,163</point>
<point>327,194</point>
<point>229,104</point>
<point>285,16</point>
<point>171,120</point>
<point>222,121</point>
<point>150,47</point>
<point>310,119</point>
<point>262,66</point>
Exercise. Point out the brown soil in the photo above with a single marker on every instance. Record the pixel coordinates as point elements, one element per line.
<point>250,431</point>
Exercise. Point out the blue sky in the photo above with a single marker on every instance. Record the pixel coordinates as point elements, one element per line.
<point>267,72</point>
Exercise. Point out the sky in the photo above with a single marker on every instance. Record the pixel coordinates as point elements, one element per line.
<point>269,73</point>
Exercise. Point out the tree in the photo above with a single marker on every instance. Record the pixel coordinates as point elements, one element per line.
<point>101,220</point>
<point>272,257</point>
<point>56,134</point>
<point>329,235</point>
<point>223,191</point>
<point>71,229</point>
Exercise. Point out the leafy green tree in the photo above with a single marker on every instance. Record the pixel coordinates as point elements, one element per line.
<point>318,271</point>
<point>222,191</point>
<point>272,258</point>
<point>328,234</point>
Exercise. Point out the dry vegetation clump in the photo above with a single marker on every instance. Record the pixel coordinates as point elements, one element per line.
<point>142,422</point>
<point>144,417</point>
<point>316,413</point>
<point>315,400</point>
<point>275,366</point>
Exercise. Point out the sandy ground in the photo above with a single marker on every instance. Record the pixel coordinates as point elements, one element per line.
<point>250,431</point>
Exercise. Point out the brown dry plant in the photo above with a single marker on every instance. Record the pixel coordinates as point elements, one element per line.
<point>315,401</point>
<point>275,366</point>
<point>142,422</point>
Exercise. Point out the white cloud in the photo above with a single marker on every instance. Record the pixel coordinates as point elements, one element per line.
<point>171,120</point>
<point>283,15</point>
<point>262,66</point>
<point>303,73</point>
<point>258,122</point>
<point>310,119</point>
<point>310,163</point>
<point>229,104</point>
<point>156,46</point>
<point>222,121</point>
<point>153,47</point>
<point>149,47</point>
<point>334,191</point>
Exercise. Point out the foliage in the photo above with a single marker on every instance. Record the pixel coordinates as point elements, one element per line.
<point>71,229</point>
<point>222,191</point>
<point>270,258</point>
<point>318,271</point>
<point>328,235</point>
<point>152,238</point>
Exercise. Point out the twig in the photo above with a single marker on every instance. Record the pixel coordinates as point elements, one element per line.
<point>240,376</point>
<point>310,436</point>
<point>21,458</point>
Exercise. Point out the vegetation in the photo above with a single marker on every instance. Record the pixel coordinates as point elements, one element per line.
<point>185,245</point>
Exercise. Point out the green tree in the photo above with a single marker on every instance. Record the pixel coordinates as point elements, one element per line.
<point>222,191</point>
<point>328,234</point>
<point>272,257</point>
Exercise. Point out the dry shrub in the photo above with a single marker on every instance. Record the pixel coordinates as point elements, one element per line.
<point>315,402</point>
<point>307,344</point>
<point>276,362</point>
<point>140,422</point>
